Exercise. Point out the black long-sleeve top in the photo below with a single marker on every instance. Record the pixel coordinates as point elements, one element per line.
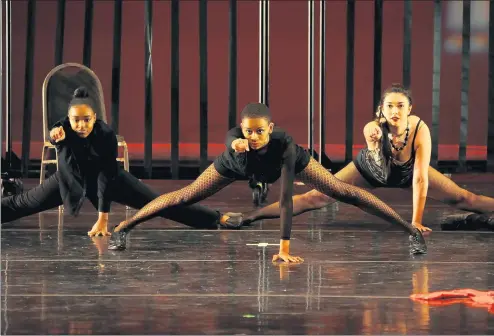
<point>281,157</point>
<point>86,163</point>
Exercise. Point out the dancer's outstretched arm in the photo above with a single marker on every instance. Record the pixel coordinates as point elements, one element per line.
<point>420,182</point>
<point>286,204</point>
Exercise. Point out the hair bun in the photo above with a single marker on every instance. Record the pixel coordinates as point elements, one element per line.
<point>81,92</point>
<point>398,86</point>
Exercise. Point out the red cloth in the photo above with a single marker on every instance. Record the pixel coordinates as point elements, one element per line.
<point>470,297</point>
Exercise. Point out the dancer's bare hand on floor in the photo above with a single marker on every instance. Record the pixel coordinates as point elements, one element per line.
<point>286,257</point>
<point>100,228</point>
<point>57,134</point>
<point>284,253</point>
<point>421,227</point>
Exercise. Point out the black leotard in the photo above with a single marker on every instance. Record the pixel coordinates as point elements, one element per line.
<point>264,164</point>
<point>390,173</point>
<point>86,163</point>
<point>281,157</point>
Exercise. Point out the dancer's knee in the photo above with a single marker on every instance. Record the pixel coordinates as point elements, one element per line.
<point>315,199</point>
<point>464,200</point>
<point>186,196</point>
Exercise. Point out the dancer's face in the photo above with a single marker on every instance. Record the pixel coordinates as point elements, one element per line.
<point>82,119</point>
<point>396,109</point>
<point>257,131</point>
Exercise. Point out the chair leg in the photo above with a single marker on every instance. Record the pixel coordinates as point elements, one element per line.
<point>126,158</point>
<point>126,165</point>
<point>42,170</point>
<point>60,207</point>
<point>56,157</point>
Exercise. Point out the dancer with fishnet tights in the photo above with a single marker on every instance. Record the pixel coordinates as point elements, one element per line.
<point>268,154</point>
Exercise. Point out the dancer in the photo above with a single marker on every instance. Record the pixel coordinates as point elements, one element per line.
<point>397,156</point>
<point>272,154</point>
<point>87,151</point>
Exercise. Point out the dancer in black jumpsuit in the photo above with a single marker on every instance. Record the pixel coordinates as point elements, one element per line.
<point>397,156</point>
<point>87,151</point>
<point>272,154</point>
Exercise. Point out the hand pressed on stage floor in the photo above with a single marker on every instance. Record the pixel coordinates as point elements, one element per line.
<point>284,253</point>
<point>100,228</point>
<point>421,227</point>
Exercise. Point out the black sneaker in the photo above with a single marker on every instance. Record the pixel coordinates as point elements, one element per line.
<point>417,243</point>
<point>485,220</point>
<point>462,223</point>
<point>264,192</point>
<point>234,221</point>
<point>118,241</point>
<point>257,194</point>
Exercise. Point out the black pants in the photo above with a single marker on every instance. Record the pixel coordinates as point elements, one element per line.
<point>125,189</point>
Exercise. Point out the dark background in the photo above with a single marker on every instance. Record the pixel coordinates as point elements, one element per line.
<point>288,91</point>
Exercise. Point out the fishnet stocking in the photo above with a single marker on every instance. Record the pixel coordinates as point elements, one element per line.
<point>316,176</point>
<point>311,200</point>
<point>207,184</point>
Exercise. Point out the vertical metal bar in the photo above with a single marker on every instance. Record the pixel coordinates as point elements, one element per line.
<point>266,52</point>
<point>261,51</point>
<point>1,79</point>
<point>407,43</point>
<point>378,41</point>
<point>203,80</point>
<point>490,86</point>
<point>436,79</point>
<point>148,88</point>
<point>322,79</point>
<point>8,81</point>
<point>115,74</point>
<point>60,32</point>
<point>350,63</point>
<point>174,96</point>
<point>465,82</point>
<point>232,60</point>
<point>310,107</point>
<point>88,34</point>
<point>28,86</point>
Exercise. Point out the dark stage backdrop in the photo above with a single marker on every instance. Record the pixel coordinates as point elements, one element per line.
<point>288,91</point>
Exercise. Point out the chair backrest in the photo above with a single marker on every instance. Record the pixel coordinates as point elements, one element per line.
<point>58,89</point>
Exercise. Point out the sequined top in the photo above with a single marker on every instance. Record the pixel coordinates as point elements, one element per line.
<point>380,169</point>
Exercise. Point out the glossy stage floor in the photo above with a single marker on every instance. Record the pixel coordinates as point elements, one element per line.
<point>356,279</point>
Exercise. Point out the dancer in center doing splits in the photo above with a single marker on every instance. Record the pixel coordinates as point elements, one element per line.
<point>272,154</point>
